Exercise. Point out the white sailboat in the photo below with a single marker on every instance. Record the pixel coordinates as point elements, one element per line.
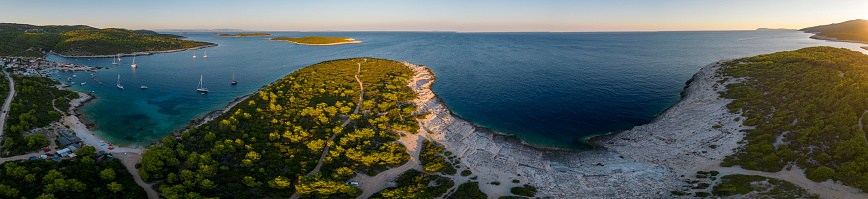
<point>119,82</point>
<point>206,54</point>
<point>200,88</point>
<point>114,61</point>
<point>194,54</point>
<point>134,62</point>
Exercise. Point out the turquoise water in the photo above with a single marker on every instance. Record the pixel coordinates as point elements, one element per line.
<point>550,89</point>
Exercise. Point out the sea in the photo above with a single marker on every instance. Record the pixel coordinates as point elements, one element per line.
<point>549,89</point>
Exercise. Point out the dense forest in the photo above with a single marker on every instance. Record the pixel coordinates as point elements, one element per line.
<point>35,41</point>
<point>33,107</point>
<point>805,106</point>
<point>86,177</point>
<point>266,146</point>
<point>313,40</point>
<point>245,35</point>
<point>856,30</point>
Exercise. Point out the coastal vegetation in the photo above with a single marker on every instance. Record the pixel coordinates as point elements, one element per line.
<point>758,186</point>
<point>469,190</point>
<point>416,184</point>
<point>245,35</point>
<point>434,160</point>
<point>854,30</point>
<point>86,177</point>
<point>36,104</point>
<point>316,40</point>
<point>269,145</point>
<point>805,107</point>
<point>36,41</point>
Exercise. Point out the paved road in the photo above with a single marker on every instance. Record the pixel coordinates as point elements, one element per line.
<point>7,103</point>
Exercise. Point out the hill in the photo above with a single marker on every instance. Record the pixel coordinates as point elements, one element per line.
<point>853,30</point>
<point>81,40</point>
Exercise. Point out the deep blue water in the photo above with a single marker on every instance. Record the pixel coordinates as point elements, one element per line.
<point>550,89</point>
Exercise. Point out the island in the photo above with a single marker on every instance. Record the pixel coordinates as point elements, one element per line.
<point>318,41</point>
<point>85,41</point>
<point>244,35</point>
<point>849,31</point>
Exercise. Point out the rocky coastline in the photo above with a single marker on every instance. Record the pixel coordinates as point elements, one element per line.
<point>143,53</point>
<point>644,162</point>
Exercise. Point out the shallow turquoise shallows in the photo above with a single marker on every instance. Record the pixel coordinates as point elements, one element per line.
<point>550,89</point>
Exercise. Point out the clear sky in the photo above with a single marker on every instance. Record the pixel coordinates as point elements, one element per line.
<point>436,15</point>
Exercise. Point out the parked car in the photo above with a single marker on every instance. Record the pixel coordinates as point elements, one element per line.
<point>353,183</point>
<point>789,167</point>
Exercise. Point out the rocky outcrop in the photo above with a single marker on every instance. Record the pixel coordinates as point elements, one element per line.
<point>644,162</point>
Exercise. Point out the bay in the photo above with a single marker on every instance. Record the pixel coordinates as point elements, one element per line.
<point>550,89</point>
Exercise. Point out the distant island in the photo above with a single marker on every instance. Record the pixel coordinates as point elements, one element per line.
<point>244,35</point>
<point>85,41</point>
<point>773,29</point>
<point>849,31</point>
<point>318,41</point>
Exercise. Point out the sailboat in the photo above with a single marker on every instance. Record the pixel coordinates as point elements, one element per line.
<point>134,62</point>
<point>114,61</point>
<point>194,54</point>
<point>200,88</point>
<point>233,79</point>
<point>119,58</point>
<point>206,54</point>
<point>119,82</point>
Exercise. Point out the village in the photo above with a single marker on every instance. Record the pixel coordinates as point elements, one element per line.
<point>64,142</point>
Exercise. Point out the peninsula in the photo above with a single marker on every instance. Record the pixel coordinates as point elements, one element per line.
<point>318,41</point>
<point>245,35</point>
<point>86,41</point>
<point>849,31</point>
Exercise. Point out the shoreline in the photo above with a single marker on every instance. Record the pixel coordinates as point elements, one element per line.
<point>494,157</point>
<point>820,37</point>
<point>622,163</point>
<point>199,121</point>
<point>87,136</point>
<point>142,53</point>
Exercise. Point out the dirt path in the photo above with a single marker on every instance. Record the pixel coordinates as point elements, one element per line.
<point>7,103</point>
<point>860,126</point>
<point>373,184</point>
<point>55,107</point>
<point>827,189</point>
<point>325,151</point>
<point>129,160</point>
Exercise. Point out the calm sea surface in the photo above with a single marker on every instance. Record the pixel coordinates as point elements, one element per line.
<point>550,89</point>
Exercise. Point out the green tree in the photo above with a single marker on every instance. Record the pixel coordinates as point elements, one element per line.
<point>114,187</point>
<point>107,174</point>
<point>9,192</point>
<point>46,196</point>
<point>820,174</point>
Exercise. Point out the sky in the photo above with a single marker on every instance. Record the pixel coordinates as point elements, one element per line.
<point>436,15</point>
